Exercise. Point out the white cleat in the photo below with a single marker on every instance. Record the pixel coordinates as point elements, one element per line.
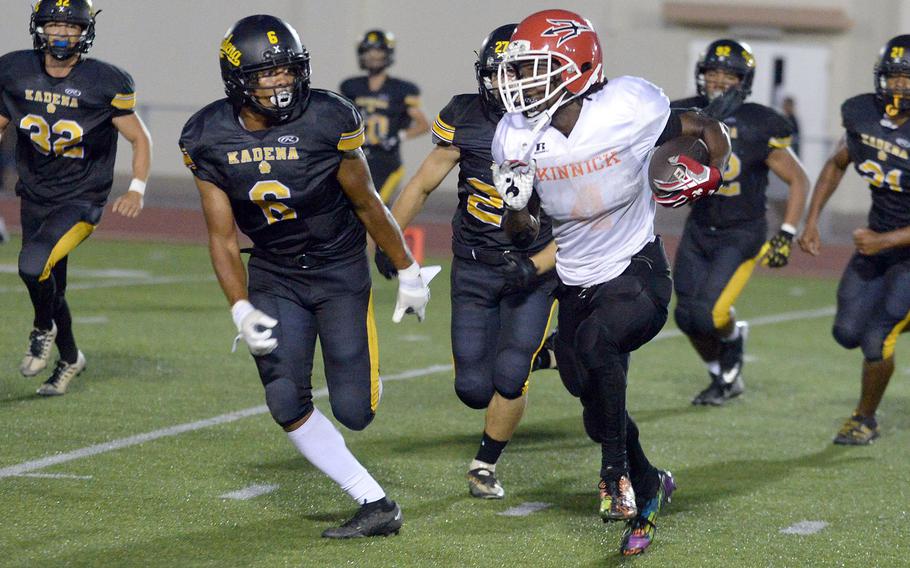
<point>60,379</point>
<point>38,354</point>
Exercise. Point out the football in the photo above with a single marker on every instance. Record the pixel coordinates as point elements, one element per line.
<point>660,168</point>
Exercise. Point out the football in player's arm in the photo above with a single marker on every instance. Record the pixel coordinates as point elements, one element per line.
<point>501,292</point>
<point>726,235</point>
<point>283,162</point>
<point>872,299</point>
<point>66,111</point>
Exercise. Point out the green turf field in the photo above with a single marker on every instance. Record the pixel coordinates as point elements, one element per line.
<point>157,336</point>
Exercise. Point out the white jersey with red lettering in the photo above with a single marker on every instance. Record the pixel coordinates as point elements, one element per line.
<point>593,184</point>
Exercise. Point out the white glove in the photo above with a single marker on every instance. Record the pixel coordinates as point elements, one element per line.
<point>255,328</point>
<point>514,181</point>
<point>414,291</point>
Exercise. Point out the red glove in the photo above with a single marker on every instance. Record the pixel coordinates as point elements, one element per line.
<point>693,181</point>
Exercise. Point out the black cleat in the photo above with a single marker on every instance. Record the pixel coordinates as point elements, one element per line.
<point>857,431</point>
<point>482,483</point>
<point>719,392</point>
<point>370,520</point>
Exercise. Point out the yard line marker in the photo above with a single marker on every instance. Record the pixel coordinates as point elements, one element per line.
<point>55,475</point>
<point>249,492</point>
<point>88,273</point>
<point>105,447</point>
<point>525,509</point>
<point>804,528</point>
<point>91,320</point>
<point>115,284</point>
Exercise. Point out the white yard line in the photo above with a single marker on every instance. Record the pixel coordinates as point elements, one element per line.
<point>55,475</point>
<point>525,509</point>
<point>89,273</point>
<point>804,528</point>
<point>105,447</point>
<point>41,463</point>
<point>250,492</point>
<point>154,281</point>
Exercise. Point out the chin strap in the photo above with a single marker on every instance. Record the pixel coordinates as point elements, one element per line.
<point>894,108</point>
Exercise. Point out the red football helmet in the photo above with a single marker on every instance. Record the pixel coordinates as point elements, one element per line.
<point>553,53</point>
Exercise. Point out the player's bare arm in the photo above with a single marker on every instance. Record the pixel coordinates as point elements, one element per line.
<point>435,167</point>
<point>419,124</point>
<point>131,127</point>
<point>223,247</point>
<point>787,167</point>
<point>828,180</point>
<point>354,176</point>
<point>4,122</point>
<point>714,134</point>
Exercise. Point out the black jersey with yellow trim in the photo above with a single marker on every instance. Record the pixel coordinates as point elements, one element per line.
<point>282,181</point>
<point>755,131</point>
<point>66,140</point>
<point>477,222</point>
<point>385,113</point>
<point>880,152</point>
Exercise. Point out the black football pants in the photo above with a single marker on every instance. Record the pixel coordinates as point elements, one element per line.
<point>49,234</point>
<point>598,327</point>
<point>334,302</point>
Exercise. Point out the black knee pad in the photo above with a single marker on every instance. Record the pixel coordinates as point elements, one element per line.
<point>873,346</point>
<point>846,335</point>
<point>353,418</point>
<point>594,343</point>
<point>511,393</point>
<point>475,394</point>
<point>285,405</point>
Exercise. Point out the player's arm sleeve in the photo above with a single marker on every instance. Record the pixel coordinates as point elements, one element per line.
<point>650,108</point>
<point>444,125</point>
<point>194,154</point>
<point>780,132</point>
<point>351,128</point>
<point>411,95</point>
<point>123,98</point>
<point>4,65</point>
<point>673,128</point>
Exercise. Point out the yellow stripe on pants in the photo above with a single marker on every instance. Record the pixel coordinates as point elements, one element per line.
<point>373,342</point>
<point>391,184</point>
<point>70,240</point>
<point>721,311</point>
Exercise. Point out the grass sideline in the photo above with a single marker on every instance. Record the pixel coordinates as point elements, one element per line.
<point>158,340</point>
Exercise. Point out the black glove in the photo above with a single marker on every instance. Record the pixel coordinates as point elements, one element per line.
<point>384,264</point>
<point>778,250</point>
<point>726,104</point>
<point>520,273</point>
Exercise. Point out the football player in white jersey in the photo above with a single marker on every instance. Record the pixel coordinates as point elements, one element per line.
<point>583,145</point>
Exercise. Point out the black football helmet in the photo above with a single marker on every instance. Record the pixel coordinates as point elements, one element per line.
<point>491,51</point>
<point>376,39</point>
<point>256,44</point>
<point>79,12</point>
<point>727,55</point>
<point>893,59</point>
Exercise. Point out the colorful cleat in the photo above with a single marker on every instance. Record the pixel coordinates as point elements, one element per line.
<point>60,379</point>
<point>369,520</point>
<point>639,532</point>
<point>857,431</point>
<point>617,500</point>
<point>482,483</point>
<point>40,342</point>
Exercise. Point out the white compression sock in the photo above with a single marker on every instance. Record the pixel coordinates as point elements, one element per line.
<point>323,446</point>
